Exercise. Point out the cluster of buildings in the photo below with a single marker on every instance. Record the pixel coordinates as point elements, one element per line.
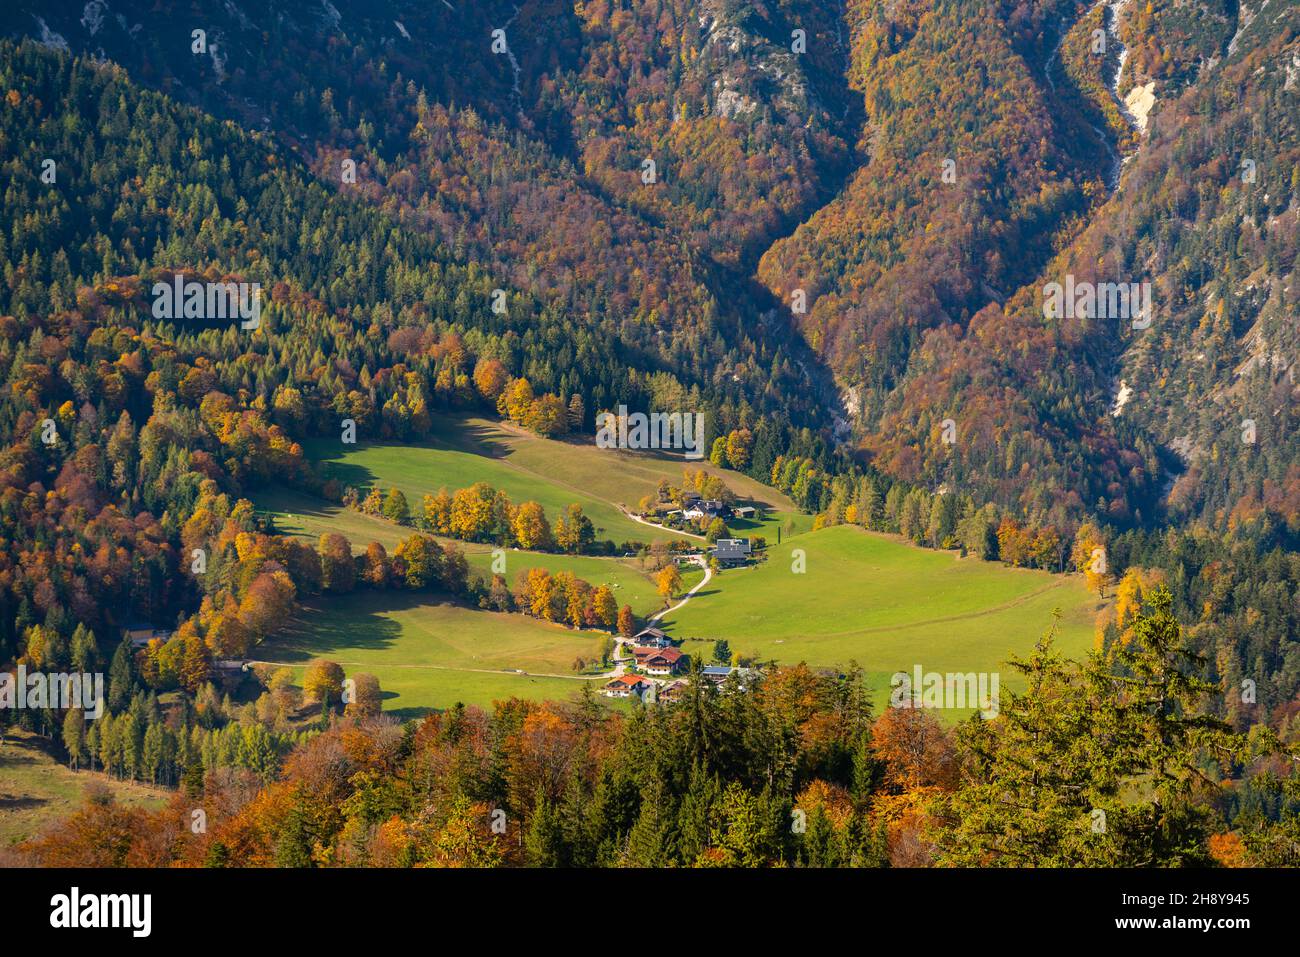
<point>696,506</point>
<point>656,656</point>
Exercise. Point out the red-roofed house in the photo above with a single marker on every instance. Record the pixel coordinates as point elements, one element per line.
<point>625,686</point>
<point>665,661</point>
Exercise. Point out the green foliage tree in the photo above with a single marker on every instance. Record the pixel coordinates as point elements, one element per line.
<point>396,508</point>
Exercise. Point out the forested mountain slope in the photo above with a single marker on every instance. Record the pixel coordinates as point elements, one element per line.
<point>1206,213</point>
<point>830,227</point>
<point>890,183</point>
<point>525,150</point>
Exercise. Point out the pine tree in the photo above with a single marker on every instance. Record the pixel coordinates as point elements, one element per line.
<point>544,841</point>
<point>652,841</point>
<point>293,842</point>
<point>84,651</point>
<point>1055,780</point>
<point>1159,724</point>
<point>121,677</point>
<point>1028,793</point>
<point>697,813</point>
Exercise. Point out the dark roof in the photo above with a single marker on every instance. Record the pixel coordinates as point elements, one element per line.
<point>729,547</point>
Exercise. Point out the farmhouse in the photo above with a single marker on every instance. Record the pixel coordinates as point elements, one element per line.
<point>719,673</point>
<point>228,672</point>
<point>667,661</point>
<point>732,551</point>
<point>652,638</point>
<point>625,686</point>
<point>672,691</point>
<point>706,508</point>
<point>140,633</point>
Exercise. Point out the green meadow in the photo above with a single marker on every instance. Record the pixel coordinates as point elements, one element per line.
<point>305,516</point>
<point>861,597</point>
<point>885,604</point>
<point>430,654</point>
<point>36,787</point>
<point>552,472</point>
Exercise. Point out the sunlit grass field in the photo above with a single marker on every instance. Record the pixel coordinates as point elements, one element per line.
<point>887,605</point>
<point>432,654</point>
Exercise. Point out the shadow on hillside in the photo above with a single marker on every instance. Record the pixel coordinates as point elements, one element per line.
<point>349,473</point>
<point>21,803</point>
<point>293,502</point>
<point>411,714</point>
<point>354,621</point>
<point>476,438</point>
<point>702,593</point>
<point>20,752</point>
<point>486,439</point>
<point>21,748</point>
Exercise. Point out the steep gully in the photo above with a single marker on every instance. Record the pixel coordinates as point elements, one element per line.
<point>1111,10</point>
<point>769,307</point>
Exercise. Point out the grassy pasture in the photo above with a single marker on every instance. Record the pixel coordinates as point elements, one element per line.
<point>887,605</point>
<point>36,788</point>
<point>305,516</point>
<point>863,597</point>
<point>431,654</point>
<point>552,472</point>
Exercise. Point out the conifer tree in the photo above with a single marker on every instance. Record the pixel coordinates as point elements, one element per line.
<point>121,677</point>
<point>544,840</point>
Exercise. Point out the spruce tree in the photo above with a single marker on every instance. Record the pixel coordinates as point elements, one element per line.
<point>652,841</point>
<point>544,840</point>
<point>121,677</point>
<point>1160,725</point>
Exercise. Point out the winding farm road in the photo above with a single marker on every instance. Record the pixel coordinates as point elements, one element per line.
<point>708,574</point>
<point>672,531</point>
<point>620,664</point>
